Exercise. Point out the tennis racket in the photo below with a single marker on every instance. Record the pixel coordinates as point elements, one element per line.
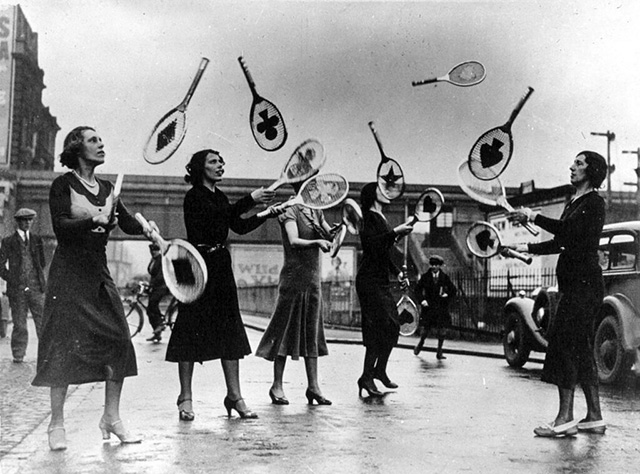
<point>265,119</point>
<point>428,206</point>
<point>483,240</point>
<point>117,188</point>
<point>305,161</point>
<point>167,135</point>
<point>492,152</point>
<point>407,314</point>
<point>468,73</point>
<point>389,174</point>
<point>351,221</point>
<point>491,193</point>
<point>321,191</point>
<point>183,268</point>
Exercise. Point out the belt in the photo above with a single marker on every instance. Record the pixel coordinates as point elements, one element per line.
<point>209,249</point>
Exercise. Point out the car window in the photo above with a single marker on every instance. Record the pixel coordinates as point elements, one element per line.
<point>622,251</point>
<point>603,253</point>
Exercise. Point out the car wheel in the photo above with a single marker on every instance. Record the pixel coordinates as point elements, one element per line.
<point>514,341</point>
<point>611,359</point>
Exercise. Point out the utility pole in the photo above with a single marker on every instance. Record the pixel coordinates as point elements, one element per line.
<point>636,184</point>
<point>610,168</point>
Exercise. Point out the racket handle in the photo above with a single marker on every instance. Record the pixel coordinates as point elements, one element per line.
<point>267,212</point>
<point>426,81</point>
<point>153,234</point>
<point>532,230</point>
<point>507,252</point>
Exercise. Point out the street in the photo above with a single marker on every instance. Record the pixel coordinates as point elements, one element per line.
<point>463,414</point>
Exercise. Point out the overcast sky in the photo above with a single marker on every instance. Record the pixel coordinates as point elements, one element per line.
<point>331,67</point>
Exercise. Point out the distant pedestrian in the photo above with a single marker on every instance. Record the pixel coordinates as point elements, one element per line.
<point>296,328</point>
<point>22,264</point>
<point>569,358</point>
<point>85,337</point>
<point>157,291</point>
<point>434,292</point>
<point>380,331</point>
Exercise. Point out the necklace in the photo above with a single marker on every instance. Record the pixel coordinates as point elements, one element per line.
<point>87,183</point>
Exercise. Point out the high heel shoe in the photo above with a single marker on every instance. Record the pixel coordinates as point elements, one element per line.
<point>385,380</point>
<point>233,405</point>
<point>369,386</point>
<point>185,415</point>
<point>277,400</point>
<point>320,400</point>
<point>57,438</point>
<point>118,429</point>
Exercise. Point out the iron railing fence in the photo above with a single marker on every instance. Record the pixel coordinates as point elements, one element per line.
<point>481,298</point>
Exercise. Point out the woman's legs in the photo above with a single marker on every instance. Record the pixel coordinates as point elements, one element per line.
<point>592,396</point>
<point>278,374</point>
<point>112,392</point>
<point>311,365</point>
<point>565,411</point>
<point>231,369</point>
<point>58,396</point>
<point>185,374</point>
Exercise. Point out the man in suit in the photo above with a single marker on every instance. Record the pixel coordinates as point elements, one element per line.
<point>22,266</point>
<point>434,291</point>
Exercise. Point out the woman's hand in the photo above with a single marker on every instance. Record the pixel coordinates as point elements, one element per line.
<point>275,210</point>
<point>403,229</point>
<point>324,245</point>
<point>262,195</point>
<point>522,216</point>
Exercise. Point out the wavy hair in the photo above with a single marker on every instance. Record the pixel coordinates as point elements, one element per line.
<point>195,167</point>
<point>73,147</point>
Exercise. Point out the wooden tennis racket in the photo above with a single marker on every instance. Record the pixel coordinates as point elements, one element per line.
<point>491,193</point>
<point>407,314</point>
<point>321,191</point>
<point>484,241</point>
<point>169,132</point>
<point>351,222</point>
<point>465,74</point>
<point>390,177</point>
<point>117,188</point>
<point>305,161</point>
<point>183,268</point>
<point>492,152</point>
<point>267,124</point>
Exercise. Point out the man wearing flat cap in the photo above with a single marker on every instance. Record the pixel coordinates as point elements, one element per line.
<point>22,266</point>
<point>434,291</point>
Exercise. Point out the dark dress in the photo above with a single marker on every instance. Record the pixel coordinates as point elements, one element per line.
<point>85,336</point>
<point>379,329</point>
<point>296,328</point>
<point>211,327</point>
<point>569,358</point>
<point>436,314</point>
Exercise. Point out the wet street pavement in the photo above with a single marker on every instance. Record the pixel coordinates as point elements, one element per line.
<point>464,414</point>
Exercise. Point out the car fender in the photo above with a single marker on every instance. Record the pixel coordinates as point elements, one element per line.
<point>627,315</point>
<point>524,307</point>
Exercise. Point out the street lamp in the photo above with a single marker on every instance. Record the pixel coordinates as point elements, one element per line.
<point>637,184</point>
<point>610,169</point>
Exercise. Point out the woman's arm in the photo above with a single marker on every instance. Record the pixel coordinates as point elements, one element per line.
<point>291,229</point>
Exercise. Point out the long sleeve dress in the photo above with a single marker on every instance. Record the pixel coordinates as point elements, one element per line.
<point>379,329</point>
<point>569,359</point>
<point>296,328</point>
<point>85,336</point>
<point>211,327</point>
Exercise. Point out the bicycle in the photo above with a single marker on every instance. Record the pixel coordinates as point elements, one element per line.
<point>135,309</point>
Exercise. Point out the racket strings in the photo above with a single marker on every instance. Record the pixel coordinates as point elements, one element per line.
<point>268,126</point>
<point>166,138</point>
<point>428,206</point>
<point>467,73</point>
<point>391,179</point>
<point>483,240</point>
<point>186,273</point>
<point>490,155</point>
<point>324,191</point>
<point>306,161</point>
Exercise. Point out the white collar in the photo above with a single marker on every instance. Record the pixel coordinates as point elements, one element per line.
<point>23,233</point>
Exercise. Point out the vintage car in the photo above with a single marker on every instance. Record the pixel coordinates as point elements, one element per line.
<point>617,326</point>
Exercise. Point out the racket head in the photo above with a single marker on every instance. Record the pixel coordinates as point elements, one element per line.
<point>322,191</point>
<point>490,193</point>
<point>166,137</point>
<point>338,238</point>
<point>184,271</point>
<point>467,73</point>
<point>428,205</point>
<point>305,162</point>
<point>352,216</point>
<point>390,179</point>
<point>483,240</point>
<point>408,316</point>
<point>491,153</point>
<point>267,125</point>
